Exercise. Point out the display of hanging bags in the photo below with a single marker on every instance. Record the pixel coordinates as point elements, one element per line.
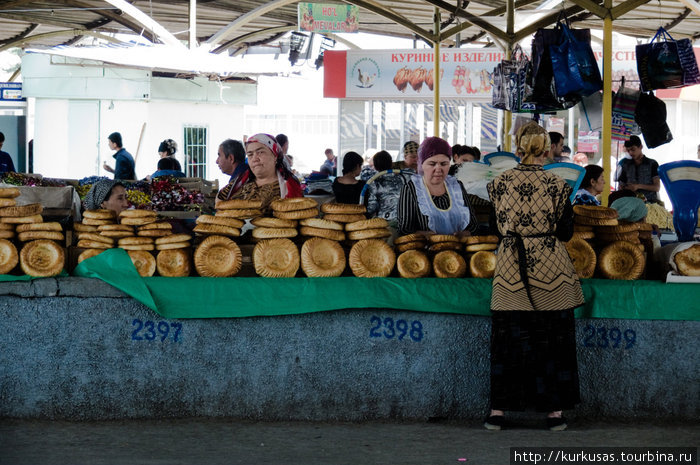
<point>666,63</point>
<point>624,106</point>
<point>509,81</point>
<point>573,65</point>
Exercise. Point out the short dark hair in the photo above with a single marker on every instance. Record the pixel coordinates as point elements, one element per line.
<point>351,160</point>
<point>473,151</point>
<point>281,139</point>
<point>566,149</point>
<point>167,163</point>
<point>116,138</point>
<point>592,172</point>
<point>382,160</point>
<point>234,148</point>
<point>2,137</point>
<point>633,141</point>
<point>555,137</point>
<point>620,194</point>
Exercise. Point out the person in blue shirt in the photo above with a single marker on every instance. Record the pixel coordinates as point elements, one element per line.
<point>168,167</point>
<point>6,163</point>
<point>593,184</point>
<point>125,167</point>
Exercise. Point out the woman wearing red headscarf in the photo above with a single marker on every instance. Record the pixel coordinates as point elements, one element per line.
<point>269,179</point>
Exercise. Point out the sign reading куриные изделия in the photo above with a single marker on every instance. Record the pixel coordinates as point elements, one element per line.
<point>325,17</point>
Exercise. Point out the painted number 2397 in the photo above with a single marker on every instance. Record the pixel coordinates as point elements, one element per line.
<point>150,330</point>
<point>388,328</point>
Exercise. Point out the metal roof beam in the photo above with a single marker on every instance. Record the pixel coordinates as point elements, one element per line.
<point>244,19</point>
<point>116,17</point>
<point>693,5</point>
<point>598,10</point>
<point>395,17</point>
<point>245,37</point>
<point>67,32</point>
<point>626,7</point>
<point>148,23</point>
<point>546,21</point>
<point>475,20</point>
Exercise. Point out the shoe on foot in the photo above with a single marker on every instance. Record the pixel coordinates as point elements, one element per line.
<point>494,422</point>
<point>556,423</point>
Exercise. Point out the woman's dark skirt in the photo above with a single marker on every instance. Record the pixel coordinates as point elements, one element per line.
<point>533,361</point>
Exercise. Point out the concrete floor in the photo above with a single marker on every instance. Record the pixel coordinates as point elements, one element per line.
<point>221,441</point>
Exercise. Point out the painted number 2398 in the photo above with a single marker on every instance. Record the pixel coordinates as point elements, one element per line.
<point>388,328</point>
<point>150,330</point>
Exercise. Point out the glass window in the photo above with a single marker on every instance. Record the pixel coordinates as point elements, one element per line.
<point>195,151</point>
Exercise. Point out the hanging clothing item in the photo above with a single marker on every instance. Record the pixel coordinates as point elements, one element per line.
<point>451,220</point>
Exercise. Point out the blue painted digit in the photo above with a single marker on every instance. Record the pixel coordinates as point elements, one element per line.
<point>630,338</point>
<point>151,333</point>
<point>389,323</point>
<point>603,333</point>
<point>615,336</point>
<point>163,329</point>
<point>416,331</point>
<point>402,326</point>
<point>374,331</point>
<point>590,334</point>
<point>178,328</point>
<point>135,333</point>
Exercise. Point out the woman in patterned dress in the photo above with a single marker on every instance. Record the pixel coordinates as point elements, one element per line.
<point>535,289</point>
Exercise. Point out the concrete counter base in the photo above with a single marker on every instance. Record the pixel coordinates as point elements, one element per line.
<point>78,349</point>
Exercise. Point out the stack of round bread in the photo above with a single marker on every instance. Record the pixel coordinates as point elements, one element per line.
<point>440,242</point>
<point>482,264</point>
<point>323,228</point>
<point>8,256</point>
<point>239,208</point>
<point>42,258</point>
<point>157,229</point>
<point>136,243</point>
<point>621,260</point>
<point>409,242</point>
<point>102,237</point>
<point>645,230</point>
<point>624,231</point>
<point>273,228</point>
<point>480,243</point>
<point>276,258</point>
<point>94,218</point>
<point>591,215</point>
<point>297,208</point>
<point>582,257</point>
<point>21,214</point>
<point>174,263</point>
<point>217,256</point>
<point>449,264</point>
<point>7,199</point>
<point>413,264</point>
<point>137,217</point>
<point>32,231</point>
<point>208,225</point>
<point>582,231</point>
<point>322,258</point>
<point>343,212</point>
<point>173,241</point>
<point>374,228</point>
<point>371,258</point>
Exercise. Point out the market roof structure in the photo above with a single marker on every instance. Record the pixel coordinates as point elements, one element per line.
<point>232,26</point>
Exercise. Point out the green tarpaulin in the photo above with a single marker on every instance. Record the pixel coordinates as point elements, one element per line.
<point>242,297</point>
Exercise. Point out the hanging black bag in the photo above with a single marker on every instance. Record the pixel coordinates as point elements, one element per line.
<point>650,115</point>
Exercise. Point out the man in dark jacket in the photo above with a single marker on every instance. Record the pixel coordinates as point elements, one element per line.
<point>125,166</point>
<point>6,163</point>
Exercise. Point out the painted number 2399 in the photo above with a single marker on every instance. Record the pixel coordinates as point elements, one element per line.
<point>388,328</point>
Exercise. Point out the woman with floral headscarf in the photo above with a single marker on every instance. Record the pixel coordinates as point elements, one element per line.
<point>535,289</point>
<point>269,178</point>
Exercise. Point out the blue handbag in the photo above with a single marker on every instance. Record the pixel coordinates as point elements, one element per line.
<point>574,66</point>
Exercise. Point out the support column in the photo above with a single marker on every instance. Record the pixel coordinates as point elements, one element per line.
<point>607,101</point>
<point>436,75</point>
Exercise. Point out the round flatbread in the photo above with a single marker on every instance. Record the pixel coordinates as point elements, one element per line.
<point>34,235</point>
<point>88,244</point>
<point>9,192</point>
<point>480,247</point>
<point>159,225</point>
<point>216,229</point>
<point>436,238</point>
<point>80,227</point>
<point>322,258</point>
<point>100,214</point>
<point>154,232</point>
<point>415,245</point>
<point>582,256</point>
<point>331,234</point>
<point>239,213</point>
<point>21,219</point>
<point>269,222</point>
<point>373,223</point>
<point>582,228</point>
<point>7,234</point>
<point>137,213</point>
<point>688,261</point>
<point>368,234</point>
<point>94,222</point>
<point>343,208</point>
<point>632,236</point>
<point>117,234</point>
<point>293,204</point>
<point>482,264</point>
<point>449,264</point>
<point>138,247</point>
<point>296,214</point>
<point>413,264</point>
<point>137,220</point>
<point>440,246</point>
<point>371,258</point>
<point>584,220</point>
<point>144,262</point>
<point>172,238</point>
<point>115,227</point>
<point>22,210</point>
<point>135,240</point>
<point>91,236</point>
<point>622,227</point>
<point>322,224</point>
<point>274,233</point>
<point>217,257</point>
<point>237,204</point>
<point>621,260</point>
<point>642,226</point>
<point>8,256</point>
<point>409,238</point>
<point>592,211</point>
<point>221,221</point>
<point>276,258</point>
<point>585,235</point>
<point>489,239</point>
<point>89,253</point>
<point>344,217</point>
<point>11,227</point>
<point>173,245</point>
<point>6,202</point>
<point>42,258</point>
<point>174,263</point>
<point>50,226</point>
